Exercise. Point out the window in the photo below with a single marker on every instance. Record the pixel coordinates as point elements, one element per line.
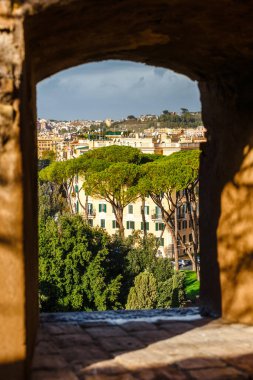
<point>102,223</point>
<point>179,225</point>
<point>159,226</point>
<point>102,207</point>
<point>146,210</point>
<point>130,225</point>
<point>90,208</point>
<point>160,241</point>
<point>158,211</point>
<point>190,237</point>
<point>90,221</point>
<point>184,238</point>
<point>184,224</point>
<point>115,224</point>
<point>130,209</point>
<point>147,226</point>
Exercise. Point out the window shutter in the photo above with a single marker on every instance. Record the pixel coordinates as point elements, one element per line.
<point>142,227</point>
<point>147,226</point>
<point>105,207</point>
<point>100,207</point>
<point>156,226</point>
<point>128,225</point>
<point>147,210</point>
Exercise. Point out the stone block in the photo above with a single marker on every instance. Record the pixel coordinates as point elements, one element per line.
<point>6,113</point>
<point>5,7</point>
<point>168,373</point>
<point>6,24</point>
<point>152,336</point>
<point>106,367</point>
<point>138,326</point>
<point>49,362</point>
<point>125,376</point>
<point>101,332</point>
<point>227,373</point>
<point>70,340</point>
<point>6,85</point>
<point>197,362</point>
<point>54,375</point>
<point>122,343</point>
<point>84,355</point>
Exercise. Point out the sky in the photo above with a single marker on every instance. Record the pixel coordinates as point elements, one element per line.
<point>114,89</point>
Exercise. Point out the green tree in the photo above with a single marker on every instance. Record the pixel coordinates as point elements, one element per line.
<point>74,267</point>
<point>48,155</point>
<point>143,294</point>
<point>164,181</point>
<point>117,185</point>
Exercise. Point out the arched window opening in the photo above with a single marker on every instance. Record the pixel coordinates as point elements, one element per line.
<point>118,149</point>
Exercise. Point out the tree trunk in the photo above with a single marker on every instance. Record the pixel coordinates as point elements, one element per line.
<point>119,218</point>
<point>143,217</point>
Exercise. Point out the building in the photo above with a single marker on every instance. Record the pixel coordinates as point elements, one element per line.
<point>101,214</point>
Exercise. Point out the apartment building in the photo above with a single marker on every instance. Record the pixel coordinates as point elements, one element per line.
<point>100,214</point>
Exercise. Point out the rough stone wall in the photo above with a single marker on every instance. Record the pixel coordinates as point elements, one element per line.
<point>18,269</point>
<point>227,196</point>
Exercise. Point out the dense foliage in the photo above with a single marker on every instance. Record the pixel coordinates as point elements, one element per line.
<point>83,268</point>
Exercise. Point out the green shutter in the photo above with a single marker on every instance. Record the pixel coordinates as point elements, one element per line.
<point>105,206</point>
<point>127,225</point>
<point>142,227</point>
<point>99,207</point>
<point>147,226</point>
<point>77,206</point>
<point>156,226</point>
<point>147,210</point>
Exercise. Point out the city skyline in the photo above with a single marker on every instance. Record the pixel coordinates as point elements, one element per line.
<point>114,89</point>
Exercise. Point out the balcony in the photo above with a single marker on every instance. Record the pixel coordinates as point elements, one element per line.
<point>156,216</point>
<point>91,214</point>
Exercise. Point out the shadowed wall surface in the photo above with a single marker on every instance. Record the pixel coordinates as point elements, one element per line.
<point>211,42</point>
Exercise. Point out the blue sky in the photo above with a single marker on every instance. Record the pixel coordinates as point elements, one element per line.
<point>114,89</point>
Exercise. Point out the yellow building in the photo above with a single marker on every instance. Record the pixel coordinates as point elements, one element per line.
<point>100,214</point>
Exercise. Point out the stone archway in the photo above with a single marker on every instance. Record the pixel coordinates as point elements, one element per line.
<point>211,43</point>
